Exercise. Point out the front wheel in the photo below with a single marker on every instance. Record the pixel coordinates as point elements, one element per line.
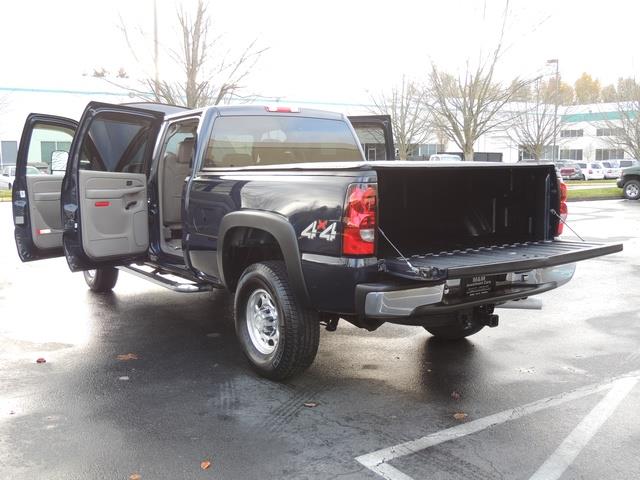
<point>101,280</point>
<point>631,190</point>
<point>278,335</point>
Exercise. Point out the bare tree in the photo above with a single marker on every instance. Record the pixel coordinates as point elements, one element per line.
<point>469,106</point>
<point>210,74</point>
<point>626,130</point>
<point>537,124</point>
<point>408,107</point>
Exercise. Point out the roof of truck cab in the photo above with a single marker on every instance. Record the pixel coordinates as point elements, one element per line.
<point>253,110</point>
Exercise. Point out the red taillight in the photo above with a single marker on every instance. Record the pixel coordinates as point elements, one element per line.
<point>563,210</point>
<point>359,232</point>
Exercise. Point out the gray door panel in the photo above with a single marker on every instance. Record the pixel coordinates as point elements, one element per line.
<point>113,213</point>
<point>44,210</point>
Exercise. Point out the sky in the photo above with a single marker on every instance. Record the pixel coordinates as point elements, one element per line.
<point>330,51</point>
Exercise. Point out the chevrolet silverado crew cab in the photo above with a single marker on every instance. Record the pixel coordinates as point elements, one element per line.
<point>279,206</point>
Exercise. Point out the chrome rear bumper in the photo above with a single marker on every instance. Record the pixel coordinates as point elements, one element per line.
<point>426,300</point>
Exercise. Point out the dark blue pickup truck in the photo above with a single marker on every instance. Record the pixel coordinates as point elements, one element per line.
<point>279,206</point>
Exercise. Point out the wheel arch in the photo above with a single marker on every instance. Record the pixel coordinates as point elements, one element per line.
<point>265,225</point>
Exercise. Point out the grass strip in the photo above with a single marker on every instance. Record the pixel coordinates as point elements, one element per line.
<point>595,193</point>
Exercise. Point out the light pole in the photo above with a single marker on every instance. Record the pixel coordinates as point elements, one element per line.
<point>555,110</point>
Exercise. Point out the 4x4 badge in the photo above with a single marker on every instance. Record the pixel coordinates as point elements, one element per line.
<point>320,229</point>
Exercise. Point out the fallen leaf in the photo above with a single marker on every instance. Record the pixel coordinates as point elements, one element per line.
<point>127,356</point>
<point>135,476</point>
<point>41,360</point>
<point>459,416</point>
<point>311,404</point>
<point>456,395</point>
<point>205,464</point>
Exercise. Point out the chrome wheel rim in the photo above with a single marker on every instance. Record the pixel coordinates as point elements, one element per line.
<point>262,321</point>
<point>632,190</point>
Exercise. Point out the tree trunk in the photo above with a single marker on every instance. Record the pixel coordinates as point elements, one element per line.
<point>468,154</point>
<point>402,151</point>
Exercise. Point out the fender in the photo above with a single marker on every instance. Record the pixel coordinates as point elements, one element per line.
<point>282,231</point>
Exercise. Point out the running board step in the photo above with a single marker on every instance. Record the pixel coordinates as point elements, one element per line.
<point>159,279</point>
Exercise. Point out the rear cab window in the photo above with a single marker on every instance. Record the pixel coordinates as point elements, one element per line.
<point>254,140</point>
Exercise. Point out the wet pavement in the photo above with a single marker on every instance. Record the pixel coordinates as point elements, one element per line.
<point>548,394</point>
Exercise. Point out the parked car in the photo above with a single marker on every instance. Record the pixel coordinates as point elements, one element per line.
<point>629,182</point>
<point>592,170</point>
<point>611,169</point>
<point>629,162</point>
<point>444,157</point>
<point>278,206</point>
<point>569,170</point>
<point>9,174</point>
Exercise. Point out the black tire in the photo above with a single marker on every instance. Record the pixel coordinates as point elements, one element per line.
<point>101,280</point>
<point>456,330</point>
<point>631,189</point>
<point>262,286</point>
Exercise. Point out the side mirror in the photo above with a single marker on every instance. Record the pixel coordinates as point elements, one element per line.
<point>59,161</point>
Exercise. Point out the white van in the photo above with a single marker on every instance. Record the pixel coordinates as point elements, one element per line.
<point>444,157</point>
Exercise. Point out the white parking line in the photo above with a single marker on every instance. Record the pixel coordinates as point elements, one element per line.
<point>569,449</point>
<point>378,461</point>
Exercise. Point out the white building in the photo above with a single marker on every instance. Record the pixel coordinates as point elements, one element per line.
<point>585,133</point>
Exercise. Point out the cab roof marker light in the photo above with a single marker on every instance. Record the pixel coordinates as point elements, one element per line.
<point>283,109</point>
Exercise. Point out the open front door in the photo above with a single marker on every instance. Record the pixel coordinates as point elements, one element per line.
<point>40,167</point>
<point>375,135</point>
<point>104,194</point>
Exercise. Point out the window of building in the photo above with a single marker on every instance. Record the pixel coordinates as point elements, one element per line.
<point>609,132</point>
<point>609,154</point>
<point>571,133</point>
<point>571,154</point>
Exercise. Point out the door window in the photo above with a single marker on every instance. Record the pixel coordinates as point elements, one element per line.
<point>48,149</point>
<point>116,144</point>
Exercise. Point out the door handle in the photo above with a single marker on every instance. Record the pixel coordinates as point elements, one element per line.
<point>130,204</point>
<point>113,193</point>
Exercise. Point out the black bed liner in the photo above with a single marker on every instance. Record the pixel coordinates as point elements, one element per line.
<point>495,259</point>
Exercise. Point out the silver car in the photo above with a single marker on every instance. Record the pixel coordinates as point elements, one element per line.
<point>9,174</point>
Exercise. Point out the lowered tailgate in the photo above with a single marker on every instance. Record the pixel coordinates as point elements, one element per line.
<point>495,259</point>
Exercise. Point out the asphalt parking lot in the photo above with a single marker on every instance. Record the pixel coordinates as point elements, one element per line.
<point>548,394</point>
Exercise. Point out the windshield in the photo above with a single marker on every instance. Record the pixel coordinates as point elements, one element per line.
<point>32,171</point>
<point>240,141</point>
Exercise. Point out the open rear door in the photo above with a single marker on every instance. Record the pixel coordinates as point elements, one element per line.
<point>40,167</point>
<point>104,194</point>
<point>375,135</point>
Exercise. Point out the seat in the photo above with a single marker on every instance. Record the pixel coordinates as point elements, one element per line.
<point>176,169</point>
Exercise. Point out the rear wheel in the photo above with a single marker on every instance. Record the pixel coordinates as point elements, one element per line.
<point>101,279</point>
<point>457,329</point>
<point>631,190</point>
<point>278,335</point>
